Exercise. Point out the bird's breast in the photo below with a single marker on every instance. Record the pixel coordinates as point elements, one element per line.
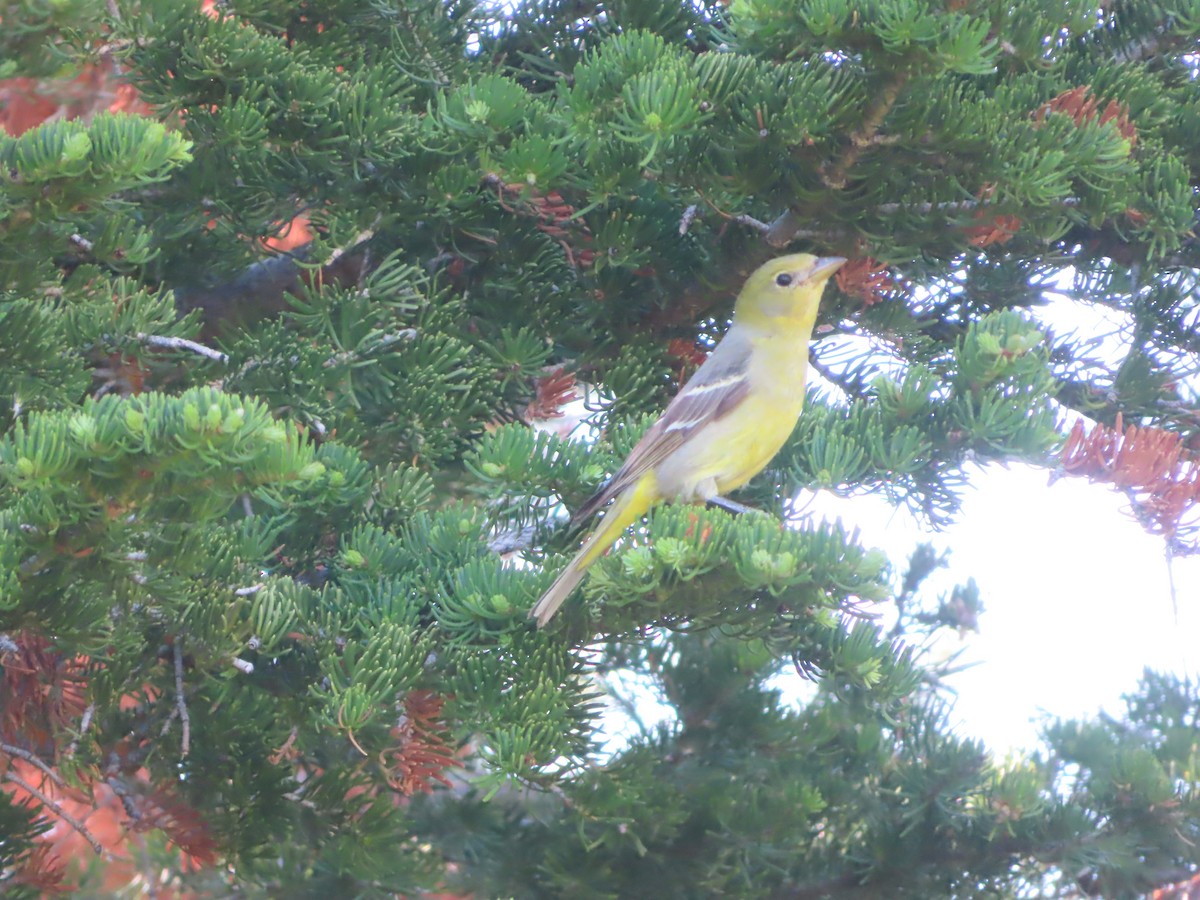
<point>732,450</point>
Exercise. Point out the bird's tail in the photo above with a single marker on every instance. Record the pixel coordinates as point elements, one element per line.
<point>631,504</point>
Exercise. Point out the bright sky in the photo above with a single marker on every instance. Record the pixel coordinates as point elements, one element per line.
<point>1076,598</point>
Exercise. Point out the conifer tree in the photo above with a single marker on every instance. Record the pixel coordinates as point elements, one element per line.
<point>271,520</point>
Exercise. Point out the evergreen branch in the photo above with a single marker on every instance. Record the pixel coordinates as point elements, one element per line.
<point>556,90</point>
<point>786,227</point>
<point>57,808</point>
<point>441,79</point>
<point>1104,406</point>
<point>954,206</point>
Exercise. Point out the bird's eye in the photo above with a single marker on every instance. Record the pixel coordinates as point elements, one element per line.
<point>783,280</point>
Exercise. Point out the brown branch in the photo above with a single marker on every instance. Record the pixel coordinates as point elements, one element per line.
<point>34,760</point>
<point>178,343</point>
<point>181,702</point>
<point>84,724</point>
<point>260,290</point>
<point>867,133</point>
<point>786,228</point>
<point>56,807</point>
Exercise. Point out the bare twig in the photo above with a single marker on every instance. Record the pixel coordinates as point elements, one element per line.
<point>57,808</point>
<point>359,240</point>
<point>952,206</point>
<point>835,176</point>
<point>180,711</point>
<point>124,794</point>
<point>405,334</point>
<point>181,702</point>
<point>689,216</point>
<point>284,752</point>
<point>786,228</point>
<point>752,222</point>
<point>84,724</point>
<point>295,797</point>
<point>178,343</point>
<point>80,242</point>
<point>34,760</point>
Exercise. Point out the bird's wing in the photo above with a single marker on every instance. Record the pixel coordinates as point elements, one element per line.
<point>717,388</point>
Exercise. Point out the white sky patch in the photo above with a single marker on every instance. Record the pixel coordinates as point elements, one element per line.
<point>1077,599</point>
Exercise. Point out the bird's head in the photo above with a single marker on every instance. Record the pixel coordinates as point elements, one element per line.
<point>785,290</point>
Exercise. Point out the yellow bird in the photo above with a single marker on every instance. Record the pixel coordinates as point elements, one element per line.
<point>727,422</point>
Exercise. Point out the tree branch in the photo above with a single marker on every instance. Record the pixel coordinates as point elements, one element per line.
<point>34,760</point>
<point>178,343</point>
<point>57,808</point>
<point>836,175</point>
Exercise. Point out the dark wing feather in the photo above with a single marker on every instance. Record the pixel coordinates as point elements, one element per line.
<point>717,387</point>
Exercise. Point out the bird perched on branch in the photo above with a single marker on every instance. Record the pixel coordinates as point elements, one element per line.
<point>727,422</point>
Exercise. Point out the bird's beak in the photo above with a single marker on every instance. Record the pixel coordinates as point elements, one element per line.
<point>825,266</point>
